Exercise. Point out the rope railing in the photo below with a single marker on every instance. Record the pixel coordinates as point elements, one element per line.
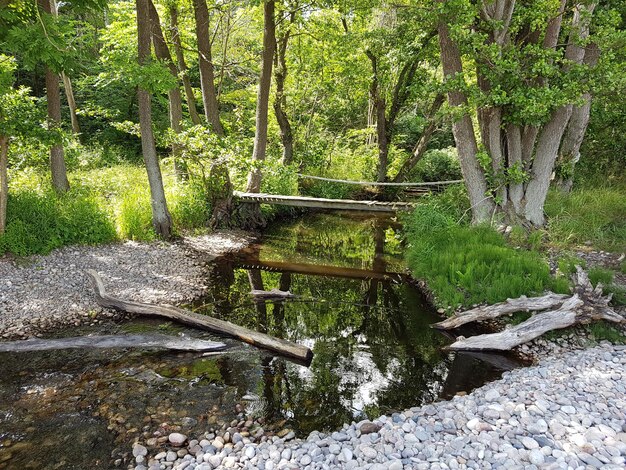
<point>376,183</point>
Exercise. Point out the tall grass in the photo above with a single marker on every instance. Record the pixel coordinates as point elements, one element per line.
<point>588,215</point>
<point>466,265</point>
<point>102,205</point>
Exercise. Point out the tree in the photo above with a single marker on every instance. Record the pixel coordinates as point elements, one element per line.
<point>280,99</point>
<point>161,219</point>
<point>182,66</point>
<point>526,87</point>
<point>205,63</point>
<point>57,158</point>
<point>262,102</point>
<point>175,100</point>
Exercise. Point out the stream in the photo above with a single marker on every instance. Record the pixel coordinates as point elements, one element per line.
<point>374,353</point>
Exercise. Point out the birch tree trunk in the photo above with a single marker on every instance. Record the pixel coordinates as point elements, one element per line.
<point>205,63</point>
<point>161,219</point>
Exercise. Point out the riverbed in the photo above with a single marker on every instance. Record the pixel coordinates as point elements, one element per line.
<point>368,326</point>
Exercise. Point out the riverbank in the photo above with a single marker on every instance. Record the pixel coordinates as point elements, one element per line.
<point>40,293</point>
<point>567,412</point>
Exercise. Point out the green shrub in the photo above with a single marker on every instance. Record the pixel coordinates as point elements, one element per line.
<point>567,263</point>
<point>603,331</point>
<point>438,165</point>
<point>467,265</point>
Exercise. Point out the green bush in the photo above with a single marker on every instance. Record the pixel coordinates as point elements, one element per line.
<point>102,205</point>
<point>438,165</point>
<point>467,265</point>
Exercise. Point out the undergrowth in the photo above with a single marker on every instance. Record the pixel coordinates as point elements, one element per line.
<point>589,215</point>
<point>466,265</point>
<point>102,205</point>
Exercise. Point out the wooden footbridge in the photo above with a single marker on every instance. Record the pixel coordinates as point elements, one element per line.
<point>343,204</point>
<point>323,203</point>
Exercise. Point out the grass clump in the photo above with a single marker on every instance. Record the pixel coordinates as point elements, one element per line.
<point>588,215</point>
<point>603,331</point>
<point>467,265</point>
<point>102,205</point>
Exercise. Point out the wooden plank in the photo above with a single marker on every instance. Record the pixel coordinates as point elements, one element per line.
<point>151,341</point>
<point>376,183</point>
<point>323,203</point>
<point>281,346</point>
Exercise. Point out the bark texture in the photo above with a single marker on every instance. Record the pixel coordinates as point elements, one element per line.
<point>262,101</point>
<point>205,63</point>
<point>584,306</point>
<point>522,156</point>
<point>161,219</point>
<point>280,99</point>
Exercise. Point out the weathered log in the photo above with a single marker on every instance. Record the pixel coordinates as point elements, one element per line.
<point>152,341</point>
<point>586,305</point>
<point>271,294</point>
<point>280,346</point>
<point>488,312</point>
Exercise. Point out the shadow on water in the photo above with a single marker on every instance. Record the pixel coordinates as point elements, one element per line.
<point>369,330</point>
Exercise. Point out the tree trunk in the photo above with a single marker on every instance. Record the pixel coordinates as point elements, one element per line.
<point>463,130</point>
<point>53,93</point>
<point>4,181</point>
<point>57,156</point>
<point>380,106</point>
<point>182,66</point>
<point>569,154</point>
<point>161,219</point>
<point>280,100</point>
<point>174,97</point>
<point>67,85</point>
<point>262,101</point>
<point>205,63</point>
<point>71,102</point>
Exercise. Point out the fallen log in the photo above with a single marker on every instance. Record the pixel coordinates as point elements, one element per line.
<point>152,341</point>
<point>271,294</point>
<point>489,312</point>
<point>584,306</point>
<point>280,346</point>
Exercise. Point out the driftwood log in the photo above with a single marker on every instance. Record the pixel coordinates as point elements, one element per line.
<point>271,294</point>
<point>584,306</point>
<point>261,340</point>
<point>152,341</point>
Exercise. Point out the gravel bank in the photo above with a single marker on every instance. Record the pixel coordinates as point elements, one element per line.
<point>44,292</point>
<point>567,412</point>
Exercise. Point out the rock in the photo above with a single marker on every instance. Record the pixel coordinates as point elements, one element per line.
<point>177,439</point>
<point>536,457</point>
<point>529,442</point>
<point>492,395</point>
<point>139,450</point>
<point>369,428</point>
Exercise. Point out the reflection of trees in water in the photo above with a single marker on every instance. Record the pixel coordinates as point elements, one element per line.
<point>372,341</point>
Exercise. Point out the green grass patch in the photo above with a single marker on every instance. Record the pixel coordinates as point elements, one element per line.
<point>466,265</point>
<point>600,275</point>
<point>102,205</point>
<point>588,215</point>
<point>603,331</point>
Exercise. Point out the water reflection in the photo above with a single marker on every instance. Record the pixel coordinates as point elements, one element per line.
<point>369,330</point>
<point>374,351</point>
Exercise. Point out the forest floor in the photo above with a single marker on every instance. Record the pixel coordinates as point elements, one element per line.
<point>40,293</point>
